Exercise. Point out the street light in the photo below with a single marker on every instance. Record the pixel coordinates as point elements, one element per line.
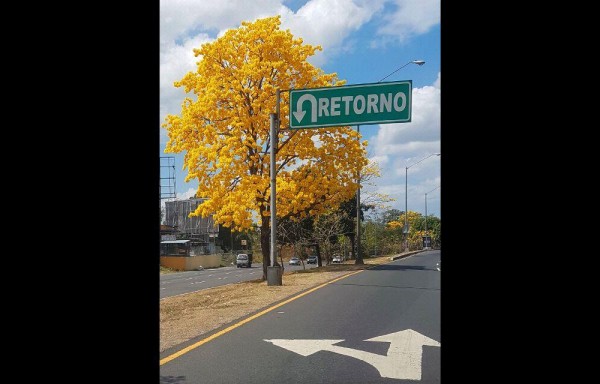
<point>358,257</point>
<point>418,62</point>
<point>426,230</point>
<point>406,199</point>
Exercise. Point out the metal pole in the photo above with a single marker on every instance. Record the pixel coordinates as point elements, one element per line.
<point>273,122</point>
<point>425,214</point>
<point>406,195</point>
<point>406,209</point>
<point>426,234</point>
<point>274,273</point>
<point>358,258</point>
<point>418,62</point>
<point>426,227</point>
<point>277,99</point>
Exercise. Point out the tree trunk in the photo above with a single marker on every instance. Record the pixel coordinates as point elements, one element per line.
<point>319,262</point>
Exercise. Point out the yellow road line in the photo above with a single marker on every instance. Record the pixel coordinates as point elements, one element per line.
<point>232,327</point>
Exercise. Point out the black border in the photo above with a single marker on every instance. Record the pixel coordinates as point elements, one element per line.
<point>102,293</point>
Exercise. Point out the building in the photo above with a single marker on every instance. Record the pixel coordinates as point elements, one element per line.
<point>168,233</point>
<point>202,231</point>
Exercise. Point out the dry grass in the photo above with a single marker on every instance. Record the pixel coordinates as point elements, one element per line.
<point>187,316</point>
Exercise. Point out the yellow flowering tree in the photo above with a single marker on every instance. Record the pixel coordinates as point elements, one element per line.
<point>413,231</point>
<point>224,132</point>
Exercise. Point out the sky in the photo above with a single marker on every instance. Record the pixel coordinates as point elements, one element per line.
<point>363,42</point>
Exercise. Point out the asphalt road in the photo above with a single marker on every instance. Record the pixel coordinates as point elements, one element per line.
<point>173,284</point>
<point>380,325</point>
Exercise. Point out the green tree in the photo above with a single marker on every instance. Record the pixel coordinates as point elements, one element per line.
<point>391,215</point>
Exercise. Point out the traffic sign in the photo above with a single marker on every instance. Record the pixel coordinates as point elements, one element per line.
<point>377,103</point>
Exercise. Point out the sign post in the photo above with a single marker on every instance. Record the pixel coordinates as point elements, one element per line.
<point>375,103</point>
<point>378,103</point>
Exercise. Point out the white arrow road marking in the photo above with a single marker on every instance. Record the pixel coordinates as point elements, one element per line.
<point>299,114</point>
<point>403,359</point>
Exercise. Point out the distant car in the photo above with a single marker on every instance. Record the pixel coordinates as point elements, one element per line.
<point>337,259</point>
<point>243,260</point>
<point>311,260</point>
<point>294,261</point>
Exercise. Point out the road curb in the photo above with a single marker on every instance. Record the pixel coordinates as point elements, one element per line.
<point>406,254</point>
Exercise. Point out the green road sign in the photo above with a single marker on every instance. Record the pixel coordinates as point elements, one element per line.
<point>377,103</point>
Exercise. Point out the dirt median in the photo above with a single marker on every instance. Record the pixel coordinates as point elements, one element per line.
<point>191,315</point>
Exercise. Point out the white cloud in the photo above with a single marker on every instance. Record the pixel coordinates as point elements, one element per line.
<point>406,145</point>
<point>175,61</point>
<point>410,18</point>
<point>329,23</point>
<point>187,194</point>
<point>182,18</point>
<point>382,160</point>
<point>422,133</point>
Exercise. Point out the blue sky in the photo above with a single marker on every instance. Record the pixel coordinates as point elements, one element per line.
<point>363,41</point>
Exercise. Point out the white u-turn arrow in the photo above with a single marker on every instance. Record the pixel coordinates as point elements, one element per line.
<point>299,114</point>
<point>403,359</point>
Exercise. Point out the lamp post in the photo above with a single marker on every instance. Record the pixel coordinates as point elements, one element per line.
<point>418,62</point>
<point>358,256</point>
<point>406,198</point>
<point>426,230</point>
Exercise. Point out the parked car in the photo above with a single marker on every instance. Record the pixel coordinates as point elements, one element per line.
<point>243,260</point>
<point>337,259</point>
<point>311,260</point>
<point>294,261</point>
